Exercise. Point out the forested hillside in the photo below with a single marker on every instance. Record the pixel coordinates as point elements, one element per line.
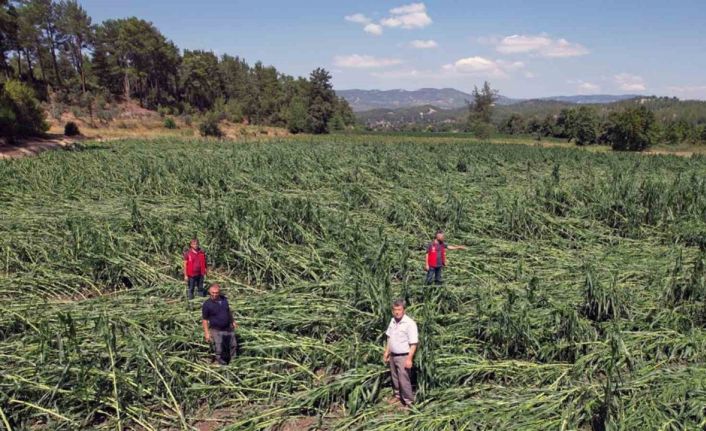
<point>57,51</point>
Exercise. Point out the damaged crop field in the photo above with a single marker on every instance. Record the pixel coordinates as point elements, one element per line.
<point>579,304</point>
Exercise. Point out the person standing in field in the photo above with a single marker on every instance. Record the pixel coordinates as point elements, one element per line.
<point>436,257</point>
<point>219,325</point>
<point>194,269</point>
<point>401,345</point>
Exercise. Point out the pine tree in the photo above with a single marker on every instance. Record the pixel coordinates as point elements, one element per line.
<point>322,100</point>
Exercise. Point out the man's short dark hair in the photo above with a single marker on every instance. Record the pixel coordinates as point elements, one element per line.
<point>399,303</point>
<point>439,231</point>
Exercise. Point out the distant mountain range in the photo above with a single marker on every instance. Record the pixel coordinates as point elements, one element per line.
<point>447,98</point>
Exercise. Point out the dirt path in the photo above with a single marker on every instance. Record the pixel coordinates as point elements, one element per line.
<point>31,147</point>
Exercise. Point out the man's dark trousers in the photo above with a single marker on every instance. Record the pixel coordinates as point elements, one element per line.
<point>194,283</point>
<point>225,345</point>
<point>434,274</point>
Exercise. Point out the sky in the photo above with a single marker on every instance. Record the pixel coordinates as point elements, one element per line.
<point>523,48</point>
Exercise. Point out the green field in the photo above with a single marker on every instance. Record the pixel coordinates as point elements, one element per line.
<point>580,304</point>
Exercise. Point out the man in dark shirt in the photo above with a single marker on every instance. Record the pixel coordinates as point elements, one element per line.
<point>194,269</point>
<point>436,257</point>
<point>218,325</point>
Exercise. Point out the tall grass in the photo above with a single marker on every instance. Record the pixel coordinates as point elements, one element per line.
<point>580,303</point>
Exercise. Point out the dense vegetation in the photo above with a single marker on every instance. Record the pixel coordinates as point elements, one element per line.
<point>54,47</point>
<point>674,121</point>
<point>581,303</point>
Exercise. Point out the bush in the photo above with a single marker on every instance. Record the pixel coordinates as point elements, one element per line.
<point>482,130</point>
<point>169,123</point>
<point>71,129</point>
<point>632,129</point>
<point>105,115</point>
<point>209,126</point>
<point>20,111</point>
<point>186,119</point>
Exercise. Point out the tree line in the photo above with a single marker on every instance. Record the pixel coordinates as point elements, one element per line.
<point>54,49</point>
<point>634,124</point>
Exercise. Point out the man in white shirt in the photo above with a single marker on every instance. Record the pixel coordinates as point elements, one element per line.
<point>402,341</point>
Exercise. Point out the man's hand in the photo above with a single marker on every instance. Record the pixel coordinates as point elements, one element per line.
<point>235,325</point>
<point>386,357</point>
<point>426,267</point>
<point>408,363</point>
<point>208,337</point>
<point>186,278</point>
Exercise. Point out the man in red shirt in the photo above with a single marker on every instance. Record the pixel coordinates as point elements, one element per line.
<point>194,268</point>
<point>436,257</point>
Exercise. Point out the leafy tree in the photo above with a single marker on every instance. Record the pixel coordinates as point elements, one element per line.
<point>42,15</point>
<point>585,128</point>
<point>297,115</point>
<point>632,129</point>
<point>702,134</point>
<point>133,58</point>
<point>20,111</point>
<point>322,101</point>
<point>199,79</point>
<point>677,131</point>
<point>75,25</point>
<point>514,125</point>
<point>345,112</point>
<point>236,82</point>
<point>8,35</point>
<point>481,110</point>
<point>565,124</point>
<point>267,95</point>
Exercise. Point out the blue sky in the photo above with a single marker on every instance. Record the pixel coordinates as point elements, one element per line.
<point>524,48</point>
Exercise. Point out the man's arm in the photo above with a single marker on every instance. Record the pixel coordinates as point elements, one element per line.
<point>206,333</point>
<point>410,357</point>
<point>386,355</point>
<point>186,274</point>
<point>232,320</point>
<point>457,247</point>
<point>204,268</point>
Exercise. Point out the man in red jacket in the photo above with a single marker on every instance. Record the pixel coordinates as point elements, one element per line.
<point>194,268</point>
<point>436,257</point>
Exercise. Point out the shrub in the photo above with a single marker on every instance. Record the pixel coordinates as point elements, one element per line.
<point>169,123</point>
<point>20,111</point>
<point>209,126</point>
<point>57,109</point>
<point>104,115</point>
<point>186,119</point>
<point>71,129</point>
<point>482,130</point>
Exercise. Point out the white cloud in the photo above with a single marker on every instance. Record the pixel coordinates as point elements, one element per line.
<point>364,61</point>
<point>424,44</point>
<point>398,74</point>
<point>530,75</point>
<point>409,8</point>
<point>628,82</point>
<point>409,16</point>
<point>358,18</point>
<point>373,29</point>
<point>541,45</point>
<point>483,66</point>
<point>368,25</point>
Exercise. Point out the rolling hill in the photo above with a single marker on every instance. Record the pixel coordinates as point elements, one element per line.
<point>447,98</point>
